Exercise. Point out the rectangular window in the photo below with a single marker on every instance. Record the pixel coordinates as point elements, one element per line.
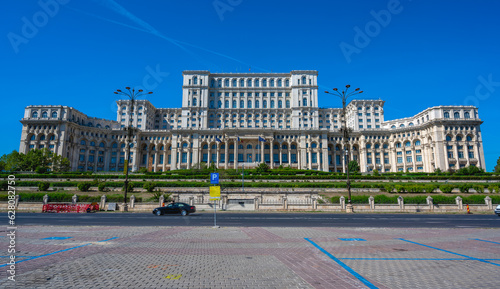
<point>258,158</point>
<point>249,158</point>
<point>214,158</point>
<point>91,158</point>
<point>471,155</point>
<point>386,161</point>
<point>161,159</point>
<point>184,158</point>
<point>337,159</point>
<point>222,158</point>
<point>408,159</point>
<point>82,158</point>
<point>276,158</point>
<point>205,158</point>
<point>267,158</point>
<point>460,154</point>
<point>369,160</point>
<point>293,158</point>
<point>419,158</point>
<point>450,155</point>
<point>240,158</point>
<point>285,158</point>
<point>377,161</point>
<point>400,160</point>
<point>231,158</point>
<point>169,159</point>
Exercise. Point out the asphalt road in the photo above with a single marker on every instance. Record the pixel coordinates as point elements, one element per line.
<point>229,219</point>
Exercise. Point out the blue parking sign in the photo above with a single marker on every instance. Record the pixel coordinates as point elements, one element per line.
<point>214,178</point>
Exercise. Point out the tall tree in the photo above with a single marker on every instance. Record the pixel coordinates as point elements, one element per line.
<point>353,167</point>
<point>497,167</point>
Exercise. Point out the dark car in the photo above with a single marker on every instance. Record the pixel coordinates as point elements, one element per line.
<point>175,208</point>
<point>497,210</point>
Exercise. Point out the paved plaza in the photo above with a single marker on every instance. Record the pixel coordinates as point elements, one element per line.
<point>241,257</point>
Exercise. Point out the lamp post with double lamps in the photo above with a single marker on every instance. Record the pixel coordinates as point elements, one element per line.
<point>132,94</point>
<point>344,95</point>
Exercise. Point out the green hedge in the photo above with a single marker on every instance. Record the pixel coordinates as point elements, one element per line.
<point>65,198</point>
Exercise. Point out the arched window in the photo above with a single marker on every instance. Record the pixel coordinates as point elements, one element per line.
<point>393,126</point>
<point>234,103</point>
<point>122,145</point>
<point>280,83</point>
<point>264,104</point>
<point>33,137</point>
<point>211,104</point>
<point>411,124</point>
<point>466,114</point>
<point>44,114</point>
<point>115,145</point>
<point>240,147</point>
<point>219,104</point>
<point>195,80</point>
<point>242,104</point>
<point>54,114</point>
<point>226,104</point>
<point>266,147</point>
<point>264,82</point>
<point>402,125</point>
<point>153,148</point>
<point>34,114</point>
<point>459,138</point>
<point>195,101</point>
<point>184,145</point>
<point>234,83</point>
<point>280,104</point>
<point>407,144</point>
<point>257,147</point>
<point>214,146</point>
<point>212,83</point>
<point>313,145</point>
<point>284,147</point>
<point>293,147</point>
<point>162,148</point>
<point>287,104</point>
<point>101,144</point>
<point>231,146</point>
<point>92,143</point>
<point>377,145</point>
<point>385,146</point>
<point>368,146</point>
<point>398,144</point>
<point>417,142</point>
<point>446,114</point>
<point>249,83</point>
<point>271,83</point>
<point>456,114</point>
<point>226,83</point>
<point>249,104</point>
<point>257,83</point>
<point>287,83</point>
<point>219,82</point>
<point>469,138</point>
<point>42,137</point>
<point>257,104</point>
<point>448,138</point>
<point>242,83</point>
<point>304,101</point>
<point>82,142</point>
<point>249,147</point>
<point>205,146</point>
<point>304,80</point>
<point>124,108</point>
<point>272,103</point>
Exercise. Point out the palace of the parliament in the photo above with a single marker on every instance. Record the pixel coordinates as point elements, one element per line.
<point>243,119</point>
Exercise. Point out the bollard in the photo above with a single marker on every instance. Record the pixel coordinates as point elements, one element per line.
<point>468,211</point>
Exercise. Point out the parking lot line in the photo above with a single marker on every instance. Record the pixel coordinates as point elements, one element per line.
<point>347,268</point>
<point>450,252</point>
<point>486,241</point>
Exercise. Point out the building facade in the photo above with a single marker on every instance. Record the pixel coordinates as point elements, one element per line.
<point>243,119</point>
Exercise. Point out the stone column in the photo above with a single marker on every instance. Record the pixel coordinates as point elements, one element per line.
<point>342,202</point>
<point>132,201</point>
<point>226,152</point>
<point>487,200</point>
<point>459,203</point>
<point>430,202</point>
<point>235,152</point>
<point>371,200</point>
<point>74,199</point>
<point>285,203</point>
<point>401,203</point>
<point>102,205</point>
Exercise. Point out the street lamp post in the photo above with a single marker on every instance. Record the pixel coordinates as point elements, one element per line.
<point>132,94</point>
<point>344,95</point>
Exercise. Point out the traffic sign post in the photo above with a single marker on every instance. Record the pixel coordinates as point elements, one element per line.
<point>215,195</point>
<point>214,178</point>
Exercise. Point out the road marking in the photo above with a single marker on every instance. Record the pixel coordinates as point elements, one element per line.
<point>486,241</point>
<point>450,252</point>
<point>347,268</point>
<point>173,277</point>
<point>60,251</point>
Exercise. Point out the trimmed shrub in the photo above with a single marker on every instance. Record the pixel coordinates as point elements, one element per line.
<point>416,200</point>
<point>149,186</point>
<point>446,188</point>
<point>102,187</point>
<point>4,185</point>
<point>478,188</point>
<point>84,186</point>
<point>464,188</point>
<point>43,186</point>
<point>383,199</point>
<point>130,187</point>
<point>440,199</point>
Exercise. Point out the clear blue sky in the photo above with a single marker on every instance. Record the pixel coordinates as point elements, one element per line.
<point>417,54</point>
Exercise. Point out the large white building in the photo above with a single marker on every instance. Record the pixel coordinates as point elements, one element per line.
<point>225,116</point>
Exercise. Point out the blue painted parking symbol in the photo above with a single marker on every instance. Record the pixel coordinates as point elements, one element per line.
<point>214,178</point>
<point>351,239</point>
<point>56,238</point>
